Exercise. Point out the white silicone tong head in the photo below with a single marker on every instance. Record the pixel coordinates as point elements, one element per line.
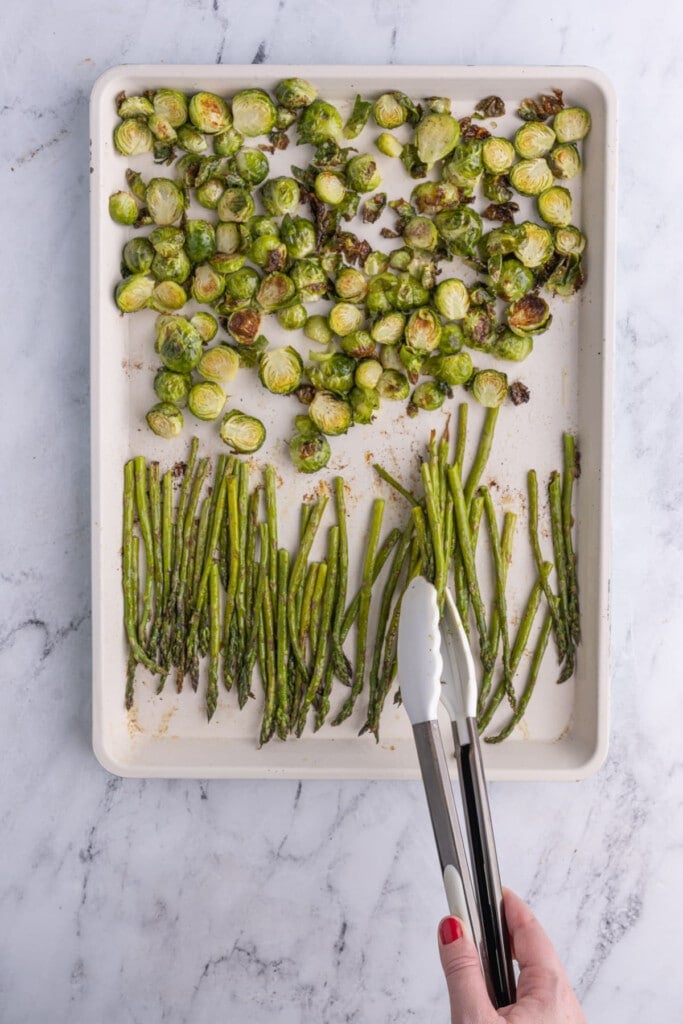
<point>419,652</point>
<point>459,687</point>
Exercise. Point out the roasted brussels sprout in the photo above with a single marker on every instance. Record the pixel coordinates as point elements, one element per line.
<point>421,233</point>
<point>388,144</point>
<point>209,193</point>
<point>134,106</point>
<point>569,241</point>
<point>298,234</point>
<point>132,137</point>
<point>452,298</point>
<point>171,105</point>
<point>329,188</point>
<point>435,136</point>
<point>177,343</point>
<point>161,128</point>
<point>318,122</point>
<point>280,196</point>
<point>167,241</point>
<point>564,161</point>
<point>309,449</point>
<point>412,361</point>
<point>165,419</point>
<point>555,206</point>
<point>430,197</point>
<point>209,113</point>
<point>317,329</point>
<point>452,339</point>
<point>393,385</point>
<point>529,315</point>
<point>496,187</point>
<point>534,139</point>
<point>310,279</point>
<point>172,268</point>
<point>200,240</point>
<point>206,325</point>
<point>358,344</point>
<point>358,118</point>
<point>236,204</point>
<point>293,317</point>
<point>375,263</point>
<point>510,278</point>
<point>364,404</point>
<point>460,228</point>
<point>571,124</point>
<point>253,112</point>
<point>281,370</point>
<point>222,263</point>
<point>269,252</point>
<point>388,329</point>
<point>490,388</point>
<point>243,434</point>
<point>430,395</point>
<point>191,140</point>
<point>479,328</point>
<point>567,277</point>
<point>331,414</point>
<point>207,284</point>
<point>423,330</point>
<point>497,155</point>
<point>450,369</point>
<point>206,400</point>
<point>533,244</point>
<point>241,287</point>
<point>133,293</point>
<point>464,166</point>
<point>138,254</point>
<point>332,371</point>
<point>168,297</point>
<point>351,285</point>
<point>251,165</point>
<point>362,173</point>
<point>295,93</point>
<point>228,143</point>
<point>219,364</point>
<point>388,111</point>
<point>244,325</point>
<point>164,200</point>
<point>344,318</point>
<point>172,387</point>
<point>228,237</point>
<point>531,177</point>
<point>123,208</point>
<point>514,347</point>
<point>368,373</point>
<point>275,291</point>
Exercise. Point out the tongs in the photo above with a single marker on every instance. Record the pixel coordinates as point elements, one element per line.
<point>435,664</point>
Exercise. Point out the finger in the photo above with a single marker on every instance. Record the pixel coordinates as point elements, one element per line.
<point>531,946</point>
<point>466,988</point>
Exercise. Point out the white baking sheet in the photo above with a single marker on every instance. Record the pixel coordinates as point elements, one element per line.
<point>564,732</point>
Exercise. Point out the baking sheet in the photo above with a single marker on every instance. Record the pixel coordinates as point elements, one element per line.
<point>564,732</point>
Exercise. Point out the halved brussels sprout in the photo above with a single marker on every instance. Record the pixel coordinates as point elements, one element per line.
<point>564,161</point>
<point>210,192</point>
<point>207,284</point>
<point>452,339</point>
<point>364,404</point>
<point>172,105</point>
<point>529,315</point>
<point>132,137</point>
<point>332,371</point>
<point>275,291</point>
<point>206,400</point>
<point>164,200</point>
<point>222,263</point>
<point>133,293</point>
<point>135,106</point>
<point>498,155</point>
<point>423,330</point>
<point>450,369</point>
<point>533,244</point>
<point>168,297</point>
<point>191,140</point>
<point>237,205</point>
<point>388,329</point>
<point>309,450</point>
<point>123,208</point>
<point>555,206</point>
<point>388,111</point>
<point>431,197</point>
<point>228,237</point>
<point>251,165</point>
<point>514,347</point>
<point>298,234</point>
<point>200,240</point>
<point>206,325</point>
<point>241,286</point>
<point>172,268</point>
<point>390,357</point>
<point>412,361</point>
<point>569,241</point>
<point>318,122</point>
<point>295,93</point>
<point>375,263</point>
<point>388,144</point>
<point>460,228</point>
<point>138,254</point>
<point>344,318</point>
<point>435,136</point>
<point>228,143</point>
<point>410,293</point>
<point>368,373</point>
<point>534,139</point>
<point>161,128</point>
<point>496,187</point>
<point>177,343</point>
<point>358,344</point>
<point>209,113</point>
<point>479,329</point>
<point>172,387</point>
<point>331,414</point>
<point>219,364</point>
<point>351,285</point>
<point>165,419</point>
<point>362,173</point>
<point>167,241</point>
<point>317,329</point>
<point>452,298</point>
<point>243,434</point>
<point>393,385</point>
<point>293,317</point>
<point>567,277</point>
<point>430,395</point>
<point>244,326</point>
<point>329,188</point>
<point>464,166</point>
<point>310,279</point>
<point>510,278</point>
<point>531,177</point>
<point>500,241</point>
<point>490,388</point>
<point>281,370</point>
<point>280,196</point>
<point>572,124</point>
<point>269,252</point>
<point>421,233</point>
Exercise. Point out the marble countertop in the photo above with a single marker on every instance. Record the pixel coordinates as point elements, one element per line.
<point>143,901</point>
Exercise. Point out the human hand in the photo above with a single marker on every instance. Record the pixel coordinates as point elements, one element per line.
<point>544,994</point>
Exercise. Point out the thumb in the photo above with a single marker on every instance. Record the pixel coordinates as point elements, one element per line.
<point>466,986</point>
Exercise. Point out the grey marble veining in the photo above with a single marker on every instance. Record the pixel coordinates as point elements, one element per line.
<point>185,901</point>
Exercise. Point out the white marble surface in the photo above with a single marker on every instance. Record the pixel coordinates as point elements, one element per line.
<point>181,901</point>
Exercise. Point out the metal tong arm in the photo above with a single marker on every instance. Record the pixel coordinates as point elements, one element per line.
<point>484,862</point>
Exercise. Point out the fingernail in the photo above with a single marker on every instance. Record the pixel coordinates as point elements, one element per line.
<point>450,930</point>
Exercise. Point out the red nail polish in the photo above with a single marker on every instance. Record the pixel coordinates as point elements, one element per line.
<point>450,930</point>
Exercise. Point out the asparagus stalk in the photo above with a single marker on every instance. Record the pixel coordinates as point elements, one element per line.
<point>130,579</point>
<point>296,579</point>
<point>467,549</point>
<point>215,639</point>
<point>482,455</point>
<point>570,473</point>
<point>282,710</point>
<point>534,669</point>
